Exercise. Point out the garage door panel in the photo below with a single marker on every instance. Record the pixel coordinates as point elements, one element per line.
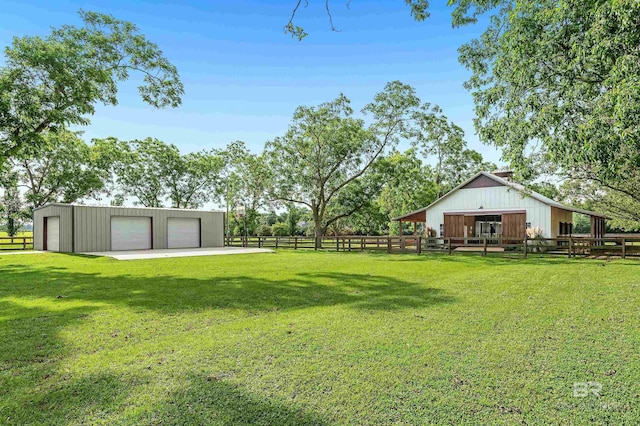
<point>183,232</point>
<point>130,233</point>
<point>53,233</point>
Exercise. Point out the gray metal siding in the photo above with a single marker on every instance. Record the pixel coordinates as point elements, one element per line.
<point>93,226</point>
<point>212,230</point>
<point>66,220</point>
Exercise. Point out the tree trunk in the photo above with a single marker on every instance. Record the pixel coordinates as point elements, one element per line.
<point>318,229</point>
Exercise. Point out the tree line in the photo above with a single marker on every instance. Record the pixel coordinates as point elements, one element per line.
<point>329,172</point>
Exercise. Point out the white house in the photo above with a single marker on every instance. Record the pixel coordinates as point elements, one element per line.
<point>491,205</point>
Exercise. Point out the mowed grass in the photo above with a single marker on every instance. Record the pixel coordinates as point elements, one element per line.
<point>318,338</point>
<point>19,234</point>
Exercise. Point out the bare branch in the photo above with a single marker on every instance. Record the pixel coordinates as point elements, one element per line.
<point>291,201</point>
<point>326,6</point>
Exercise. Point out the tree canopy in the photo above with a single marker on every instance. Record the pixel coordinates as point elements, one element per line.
<point>154,172</point>
<point>337,166</point>
<point>326,150</point>
<point>50,83</point>
<point>65,169</point>
<point>556,83</point>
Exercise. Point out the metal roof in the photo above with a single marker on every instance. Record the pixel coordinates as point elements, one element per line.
<point>98,206</point>
<point>516,186</point>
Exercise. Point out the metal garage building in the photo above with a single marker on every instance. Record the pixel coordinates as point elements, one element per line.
<point>74,228</point>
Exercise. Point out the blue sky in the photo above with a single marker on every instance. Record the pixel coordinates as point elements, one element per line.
<point>244,77</point>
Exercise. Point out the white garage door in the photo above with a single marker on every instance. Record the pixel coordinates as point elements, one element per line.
<point>130,233</point>
<point>183,232</point>
<point>53,233</point>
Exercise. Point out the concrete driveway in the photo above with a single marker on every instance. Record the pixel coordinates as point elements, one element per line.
<point>164,253</point>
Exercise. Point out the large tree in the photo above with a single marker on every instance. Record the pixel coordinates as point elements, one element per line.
<point>65,169</point>
<point>410,185</point>
<point>442,141</point>
<point>326,151</point>
<point>557,87</point>
<point>52,82</point>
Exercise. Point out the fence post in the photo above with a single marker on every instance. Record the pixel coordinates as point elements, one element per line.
<point>484,247</point>
<point>525,245</point>
<point>362,244</point>
<point>570,246</point>
<point>419,245</point>
<point>403,244</point>
<point>295,243</point>
<point>389,244</point>
<point>624,248</point>
<point>24,243</point>
<point>449,244</point>
<point>277,239</point>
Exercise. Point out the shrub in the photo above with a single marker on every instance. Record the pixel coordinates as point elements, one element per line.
<point>535,240</point>
<point>264,231</point>
<point>280,229</point>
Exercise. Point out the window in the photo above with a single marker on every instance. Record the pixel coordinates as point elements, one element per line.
<point>442,230</point>
<point>566,228</point>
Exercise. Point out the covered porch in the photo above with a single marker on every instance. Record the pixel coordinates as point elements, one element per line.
<point>415,218</point>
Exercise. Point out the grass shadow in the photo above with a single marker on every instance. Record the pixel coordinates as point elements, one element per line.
<point>213,401</point>
<point>171,294</point>
<point>39,301</point>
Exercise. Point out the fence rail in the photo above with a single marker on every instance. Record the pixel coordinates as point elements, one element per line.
<point>16,243</point>
<point>567,246</point>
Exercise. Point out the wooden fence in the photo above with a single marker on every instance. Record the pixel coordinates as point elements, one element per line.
<point>567,246</point>
<point>16,243</point>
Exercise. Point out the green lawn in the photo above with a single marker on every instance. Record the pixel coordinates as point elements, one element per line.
<point>317,338</point>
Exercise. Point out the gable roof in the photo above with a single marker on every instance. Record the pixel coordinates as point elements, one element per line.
<point>526,192</point>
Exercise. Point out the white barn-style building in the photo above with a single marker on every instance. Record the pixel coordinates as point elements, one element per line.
<point>492,205</point>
